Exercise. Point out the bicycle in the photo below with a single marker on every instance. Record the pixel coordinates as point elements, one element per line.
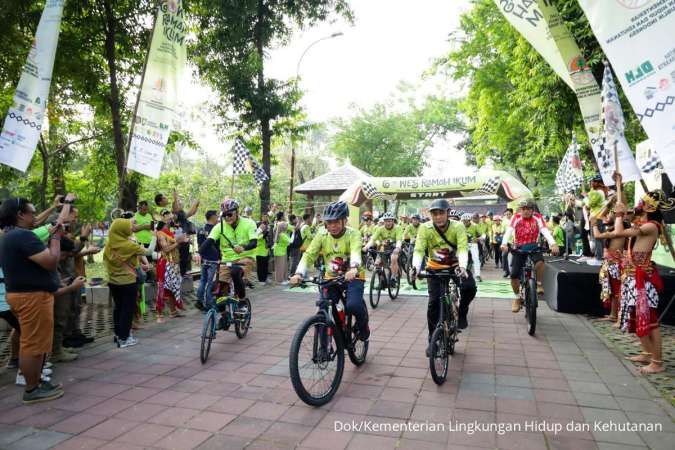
<point>231,311</point>
<point>321,341</point>
<point>528,288</point>
<point>444,337</point>
<point>405,259</point>
<point>382,278</point>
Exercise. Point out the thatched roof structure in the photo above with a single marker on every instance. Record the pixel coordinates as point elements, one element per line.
<point>333,183</point>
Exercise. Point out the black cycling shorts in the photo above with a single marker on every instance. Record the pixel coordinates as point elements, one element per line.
<point>518,261</point>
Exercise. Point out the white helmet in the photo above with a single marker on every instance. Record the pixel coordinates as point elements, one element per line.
<point>466,217</point>
<point>387,216</point>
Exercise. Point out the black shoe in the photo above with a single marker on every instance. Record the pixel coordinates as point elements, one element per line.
<point>506,275</point>
<point>250,285</point>
<point>364,336</point>
<point>79,336</point>
<point>72,342</point>
<point>462,322</point>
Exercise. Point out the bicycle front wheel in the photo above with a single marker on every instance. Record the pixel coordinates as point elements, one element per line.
<point>438,357</point>
<point>531,306</point>
<point>356,348</point>
<point>375,288</point>
<point>392,287</point>
<point>208,333</point>
<point>316,361</point>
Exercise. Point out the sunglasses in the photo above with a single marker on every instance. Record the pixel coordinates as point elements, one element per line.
<point>229,214</point>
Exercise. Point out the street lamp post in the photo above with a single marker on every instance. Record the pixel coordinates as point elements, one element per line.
<point>297,78</point>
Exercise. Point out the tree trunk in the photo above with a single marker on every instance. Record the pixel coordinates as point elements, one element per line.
<point>265,130</point>
<point>114,99</point>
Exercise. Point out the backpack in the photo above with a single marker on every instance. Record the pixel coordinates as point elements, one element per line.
<point>296,242</point>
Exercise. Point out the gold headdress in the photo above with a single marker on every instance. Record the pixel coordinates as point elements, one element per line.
<point>656,200</point>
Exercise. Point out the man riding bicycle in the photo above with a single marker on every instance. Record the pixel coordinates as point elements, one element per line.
<point>386,238</point>
<point>340,247</point>
<point>237,238</point>
<point>444,242</point>
<point>410,232</point>
<point>525,227</point>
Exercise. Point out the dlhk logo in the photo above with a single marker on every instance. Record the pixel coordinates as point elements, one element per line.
<point>642,71</point>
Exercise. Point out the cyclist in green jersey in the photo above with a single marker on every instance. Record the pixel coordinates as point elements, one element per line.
<point>444,242</point>
<point>388,237</point>
<point>340,247</point>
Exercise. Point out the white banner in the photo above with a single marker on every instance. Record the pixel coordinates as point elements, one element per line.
<point>24,120</point>
<point>638,37</point>
<point>156,113</point>
<point>540,23</point>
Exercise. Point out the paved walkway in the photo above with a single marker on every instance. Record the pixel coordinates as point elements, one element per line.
<point>158,395</point>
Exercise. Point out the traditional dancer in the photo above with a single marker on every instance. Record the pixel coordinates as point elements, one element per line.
<point>641,282</point>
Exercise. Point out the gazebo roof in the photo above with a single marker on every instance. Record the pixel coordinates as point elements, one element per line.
<point>333,183</point>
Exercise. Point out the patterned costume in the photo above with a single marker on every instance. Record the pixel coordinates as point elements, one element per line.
<point>640,289</point>
<point>610,277</point>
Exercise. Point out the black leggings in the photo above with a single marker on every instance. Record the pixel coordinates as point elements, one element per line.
<point>467,292</point>
<point>124,297</point>
<point>11,319</point>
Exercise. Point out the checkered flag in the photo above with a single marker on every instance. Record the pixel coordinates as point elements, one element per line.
<point>243,162</point>
<point>570,175</point>
<point>653,163</point>
<point>371,191</point>
<point>490,186</point>
<point>612,120</point>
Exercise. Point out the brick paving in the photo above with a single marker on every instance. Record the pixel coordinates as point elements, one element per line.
<point>158,394</point>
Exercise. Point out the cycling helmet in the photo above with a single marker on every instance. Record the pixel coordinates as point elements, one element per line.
<point>466,217</point>
<point>527,203</point>
<point>453,213</point>
<point>229,205</point>
<point>439,204</point>
<point>416,216</point>
<point>335,211</point>
<point>388,216</point>
<point>475,216</point>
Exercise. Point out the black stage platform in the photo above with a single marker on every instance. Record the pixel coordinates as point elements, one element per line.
<point>574,288</point>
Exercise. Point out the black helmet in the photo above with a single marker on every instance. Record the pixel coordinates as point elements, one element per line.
<point>229,205</point>
<point>416,216</point>
<point>335,211</point>
<point>439,204</point>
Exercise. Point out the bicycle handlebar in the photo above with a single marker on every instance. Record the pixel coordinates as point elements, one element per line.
<point>529,252</point>
<point>444,273</point>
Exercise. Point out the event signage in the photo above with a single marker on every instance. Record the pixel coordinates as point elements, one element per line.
<point>24,120</point>
<point>156,112</point>
<point>638,38</point>
<point>543,27</point>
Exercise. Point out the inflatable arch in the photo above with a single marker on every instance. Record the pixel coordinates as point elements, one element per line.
<point>483,182</point>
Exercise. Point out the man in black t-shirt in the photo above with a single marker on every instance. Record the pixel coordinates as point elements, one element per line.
<point>210,257</point>
<point>30,281</point>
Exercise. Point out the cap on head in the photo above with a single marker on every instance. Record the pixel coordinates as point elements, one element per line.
<point>439,204</point>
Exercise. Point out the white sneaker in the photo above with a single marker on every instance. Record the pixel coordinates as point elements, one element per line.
<point>21,380</point>
<point>130,342</point>
<point>46,372</point>
<point>48,365</point>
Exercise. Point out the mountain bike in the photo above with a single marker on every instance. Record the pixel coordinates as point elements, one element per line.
<point>444,337</point>
<point>225,311</point>
<point>316,357</point>
<point>528,288</point>
<point>382,278</point>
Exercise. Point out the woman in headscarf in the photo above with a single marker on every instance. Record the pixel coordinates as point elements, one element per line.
<point>120,257</point>
<point>281,241</point>
<point>169,278</point>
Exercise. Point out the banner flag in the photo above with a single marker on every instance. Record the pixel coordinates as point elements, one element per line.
<point>24,120</point>
<point>570,176</point>
<point>613,126</point>
<point>550,28</point>
<point>637,37</point>
<point>156,113</point>
<point>243,162</point>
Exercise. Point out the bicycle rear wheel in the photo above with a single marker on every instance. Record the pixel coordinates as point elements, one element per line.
<point>208,333</point>
<point>316,361</point>
<point>375,288</point>
<point>356,348</point>
<point>394,288</point>
<point>531,306</point>
<point>438,358</point>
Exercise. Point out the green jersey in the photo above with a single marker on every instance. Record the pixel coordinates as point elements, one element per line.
<point>382,235</point>
<point>429,240</point>
<point>143,236</point>
<point>472,232</point>
<point>306,234</point>
<point>338,253</point>
<point>411,231</point>
<point>559,236</point>
<point>229,237</point>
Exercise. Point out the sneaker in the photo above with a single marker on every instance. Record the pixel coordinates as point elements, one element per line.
<point>47,372</point>
<point>506,275</point>
<point>13,363</point>
<point>45,377</point>
<point>47,365</point>
<point>43,393</point>
<point>129,342</point>
<point>365,335</point>
<point>83,338</point>
<point>72,342</point>
<point>64,356</point>
<point>516,304</point>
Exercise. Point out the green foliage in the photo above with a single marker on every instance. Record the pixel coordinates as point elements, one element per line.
<point>384,142</point>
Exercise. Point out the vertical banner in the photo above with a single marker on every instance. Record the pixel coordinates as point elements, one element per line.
<point>542,26</point>
<point>156,112</point>
<point>23,123</point>
<point>638,38</point>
